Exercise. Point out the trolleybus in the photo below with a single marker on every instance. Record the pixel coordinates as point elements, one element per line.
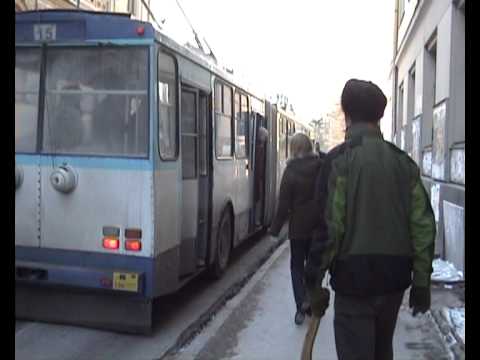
<point>134,167</point>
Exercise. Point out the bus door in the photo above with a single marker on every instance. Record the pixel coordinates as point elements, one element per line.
<point>243,168</point>
<point>204,195</point>
<point>260,166</point>
<point>195,193</point>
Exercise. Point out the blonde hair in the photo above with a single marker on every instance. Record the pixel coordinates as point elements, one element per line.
<point>300,145</point>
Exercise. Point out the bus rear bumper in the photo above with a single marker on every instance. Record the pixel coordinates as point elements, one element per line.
<point>99,310</point>
<point>53,275</point>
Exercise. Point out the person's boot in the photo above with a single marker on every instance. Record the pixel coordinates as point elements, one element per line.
<point>299,317</point>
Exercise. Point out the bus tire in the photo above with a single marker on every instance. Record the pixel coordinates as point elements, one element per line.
<point>224,245</point>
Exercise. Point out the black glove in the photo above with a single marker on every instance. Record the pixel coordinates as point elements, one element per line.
<point>419,299</point>
<point>319,299</point>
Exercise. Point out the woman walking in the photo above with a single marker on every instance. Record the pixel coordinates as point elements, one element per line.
<point>296,204</point>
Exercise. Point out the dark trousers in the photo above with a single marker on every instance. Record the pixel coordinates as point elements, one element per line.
<point>298,256</point>
<point>364,326</point>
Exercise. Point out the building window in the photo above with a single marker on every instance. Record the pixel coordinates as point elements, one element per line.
<point>431,70</point>
<point>432,53</point>
<point>411,93</point>
<point>400,119</point>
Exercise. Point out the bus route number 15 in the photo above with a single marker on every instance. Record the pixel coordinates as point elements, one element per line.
<point>45,32</point>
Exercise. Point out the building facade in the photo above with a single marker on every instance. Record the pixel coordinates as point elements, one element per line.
<point>134,7</point>
<point>329,130</point>
<point>94,5</point>
<point>429,109</point>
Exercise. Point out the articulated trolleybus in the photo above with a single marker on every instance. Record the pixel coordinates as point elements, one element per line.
<point>136,167</point>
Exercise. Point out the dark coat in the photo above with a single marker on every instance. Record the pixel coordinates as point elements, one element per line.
<point>296,201</point>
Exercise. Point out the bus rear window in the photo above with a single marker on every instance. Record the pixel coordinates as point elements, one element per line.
<point>27,81</point>
<point>96,102</point>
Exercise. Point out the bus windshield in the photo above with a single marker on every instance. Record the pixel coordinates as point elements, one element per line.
<point>96,101</point>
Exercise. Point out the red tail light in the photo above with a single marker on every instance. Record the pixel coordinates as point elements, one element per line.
<point>133,245</point>
<point>111,243</point>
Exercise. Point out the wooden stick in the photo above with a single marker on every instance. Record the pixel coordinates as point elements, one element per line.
<point>310,338</point>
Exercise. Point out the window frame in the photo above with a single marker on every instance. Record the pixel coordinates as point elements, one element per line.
<point>232,117</point>
<point>43,95</point>
<point>431,47</point>
<point>412,84</point>
<point>242,95</point>
<point>177,106</point>
<point>39,150</point>
<point>400,104</point>
<point>194,136</point>
<point>203,142</point>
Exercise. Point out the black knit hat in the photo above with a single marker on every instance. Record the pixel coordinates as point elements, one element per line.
<point>363,101</point>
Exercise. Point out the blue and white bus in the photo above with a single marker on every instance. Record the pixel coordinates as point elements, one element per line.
<point>135,166</point>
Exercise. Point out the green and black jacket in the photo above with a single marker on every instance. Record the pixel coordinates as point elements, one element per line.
<point>377,226</point>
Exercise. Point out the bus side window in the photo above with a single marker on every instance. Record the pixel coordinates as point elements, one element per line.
<point>241,121</point>
<point>245,116</point>
<point>223,122</point>
<point>167,107</point>
<point>283,139</point>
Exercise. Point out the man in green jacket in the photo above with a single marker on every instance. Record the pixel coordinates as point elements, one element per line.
<point>376,232</point>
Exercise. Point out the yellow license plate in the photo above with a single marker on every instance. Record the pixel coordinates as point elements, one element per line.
<point>125,281</point>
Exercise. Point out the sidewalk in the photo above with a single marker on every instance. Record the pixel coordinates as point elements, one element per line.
<point>259,324</point>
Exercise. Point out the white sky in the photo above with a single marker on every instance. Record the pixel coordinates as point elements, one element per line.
<point>306,50</point>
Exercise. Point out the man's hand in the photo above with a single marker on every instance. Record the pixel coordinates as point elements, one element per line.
<point>319,300</point>
<point>419,299</point>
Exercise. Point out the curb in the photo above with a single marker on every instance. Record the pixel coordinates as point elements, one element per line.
<point>204,319</point>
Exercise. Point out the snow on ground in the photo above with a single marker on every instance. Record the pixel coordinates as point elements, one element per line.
<point>456,319</point>
<point>457,316</point>
<point>445,271</point>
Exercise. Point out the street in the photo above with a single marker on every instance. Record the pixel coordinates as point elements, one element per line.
<point>258,324</point>
<point>248,314</point>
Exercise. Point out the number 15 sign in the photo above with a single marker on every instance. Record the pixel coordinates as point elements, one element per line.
<point>45,32</point>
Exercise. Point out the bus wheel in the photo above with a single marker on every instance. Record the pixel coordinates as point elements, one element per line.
<point>224,246</point>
